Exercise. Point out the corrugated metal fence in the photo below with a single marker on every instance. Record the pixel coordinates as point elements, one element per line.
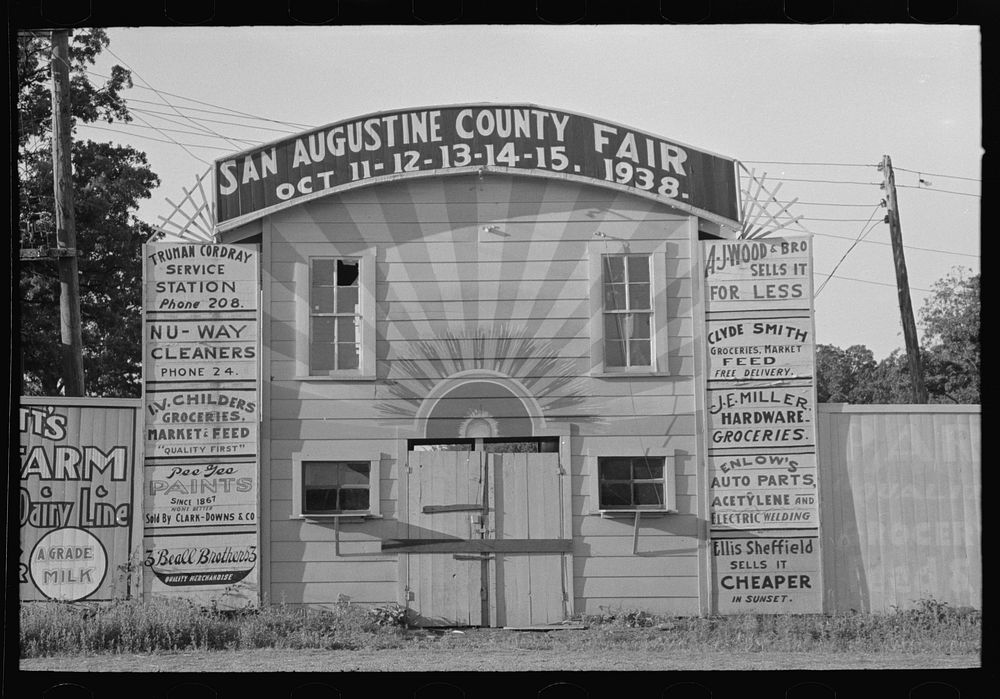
<point>900,505</point>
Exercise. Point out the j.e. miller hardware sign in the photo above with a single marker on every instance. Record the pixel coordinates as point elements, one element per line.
<point>470,138</point>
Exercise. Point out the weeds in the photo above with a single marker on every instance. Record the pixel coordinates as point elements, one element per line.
<point>928,626</point>
<point>131,626</point>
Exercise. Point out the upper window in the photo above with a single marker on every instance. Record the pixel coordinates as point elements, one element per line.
<point>334,315</point>
<point>628,311</point>
<point>631,483</point>
<point>628,308</point>
<point>336,309</point>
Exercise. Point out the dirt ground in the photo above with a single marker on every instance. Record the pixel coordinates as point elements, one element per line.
<point>498,660</point>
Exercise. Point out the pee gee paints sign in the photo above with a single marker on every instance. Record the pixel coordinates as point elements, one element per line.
<point>78,499</point>
<point>761,431</point>
<point>201,416</point>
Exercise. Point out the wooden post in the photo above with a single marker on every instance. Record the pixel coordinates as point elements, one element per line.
<point>903,285</point>
<point>62,175</point>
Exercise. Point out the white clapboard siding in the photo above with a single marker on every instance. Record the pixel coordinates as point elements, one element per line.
<point>494,256</point>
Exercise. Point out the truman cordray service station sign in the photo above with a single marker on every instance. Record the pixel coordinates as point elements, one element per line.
<point>523,139</point>
<point>201,409</point>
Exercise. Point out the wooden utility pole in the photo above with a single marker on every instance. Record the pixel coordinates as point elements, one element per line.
<point>62,176</point>
<point>903,284</point>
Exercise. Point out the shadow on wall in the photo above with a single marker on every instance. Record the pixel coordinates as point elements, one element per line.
<point>845,581</point>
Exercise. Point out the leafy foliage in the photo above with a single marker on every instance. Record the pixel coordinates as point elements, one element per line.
<point>950,351</point>
<point>109,182</point>
<point>950,322</point>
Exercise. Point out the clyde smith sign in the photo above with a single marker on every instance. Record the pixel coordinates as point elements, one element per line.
<point>525,139</point>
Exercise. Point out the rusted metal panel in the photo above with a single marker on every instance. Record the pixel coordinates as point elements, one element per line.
<point>901,505</point>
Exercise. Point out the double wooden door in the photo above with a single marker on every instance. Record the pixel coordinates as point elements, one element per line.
<point>486,541</point>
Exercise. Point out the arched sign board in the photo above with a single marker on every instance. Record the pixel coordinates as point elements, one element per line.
<point>522,139</point>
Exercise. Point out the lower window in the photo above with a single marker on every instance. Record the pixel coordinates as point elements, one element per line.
<point>336,487</point>
<point>631,483</point>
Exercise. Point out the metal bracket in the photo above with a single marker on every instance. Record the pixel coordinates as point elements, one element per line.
<point>47,253</point>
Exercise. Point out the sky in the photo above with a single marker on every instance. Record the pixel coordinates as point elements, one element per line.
<point>811,109</point>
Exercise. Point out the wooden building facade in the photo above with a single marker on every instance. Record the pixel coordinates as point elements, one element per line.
<point>480,362</point>
<point>473,401</point>
<point>516,366</point>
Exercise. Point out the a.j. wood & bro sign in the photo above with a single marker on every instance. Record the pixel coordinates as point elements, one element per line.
<point>201,416</point>
<point>761,428</point>
<point>524,139</point>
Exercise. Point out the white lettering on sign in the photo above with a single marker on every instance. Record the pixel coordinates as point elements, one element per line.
<point>524,137</point>
<point>761,426</point>
<point>201,368</point>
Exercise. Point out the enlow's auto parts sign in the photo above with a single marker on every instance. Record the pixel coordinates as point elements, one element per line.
<point>761,426</point>
<point>524,139</point>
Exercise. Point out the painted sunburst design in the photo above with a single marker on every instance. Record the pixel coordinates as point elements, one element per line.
<point>500,349</point>
<point>193,219</point>
<point>762,214</point>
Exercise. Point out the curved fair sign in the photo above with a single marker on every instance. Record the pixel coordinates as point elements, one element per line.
<point>517,139</point>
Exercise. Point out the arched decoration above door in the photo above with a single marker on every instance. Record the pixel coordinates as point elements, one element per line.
<point>479,404</point>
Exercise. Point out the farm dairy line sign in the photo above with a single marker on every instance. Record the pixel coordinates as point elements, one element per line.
<point>761,426</point>
<point>78,500</point>
<point>470,138</point>
<point>201,419</point>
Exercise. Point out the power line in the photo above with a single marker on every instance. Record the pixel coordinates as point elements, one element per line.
<point>869,281</point>
<point>933,189</point>
<point>818,203</point>
<point>810,218</point>
<point>214,121</point>
<point>165,100</point>
<point>160,140</point>
<point>788,162</point>
<point>228,114</point>
<point>908,247</point>
<point>190,133</point>
<point>217,106</point>
<point>791,179</point>
<point>938,174</point>
<point>861,237</point>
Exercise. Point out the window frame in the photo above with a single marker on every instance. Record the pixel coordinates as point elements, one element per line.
<point>668,480</point>
<point>299,462</point>
<point>656,252</point>
<point>365,328</point>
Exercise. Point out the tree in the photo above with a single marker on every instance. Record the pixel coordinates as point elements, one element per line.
<point>949,319</point>
<point>109,182</point>
<point>853,376</point>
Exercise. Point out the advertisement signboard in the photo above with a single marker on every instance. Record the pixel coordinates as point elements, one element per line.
<point>78,498</point>
<point>522,139</point>
<point>201,423</point>
<point>761,426</point>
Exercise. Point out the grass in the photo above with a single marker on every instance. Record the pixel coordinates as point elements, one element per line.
<point>125,627</point>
